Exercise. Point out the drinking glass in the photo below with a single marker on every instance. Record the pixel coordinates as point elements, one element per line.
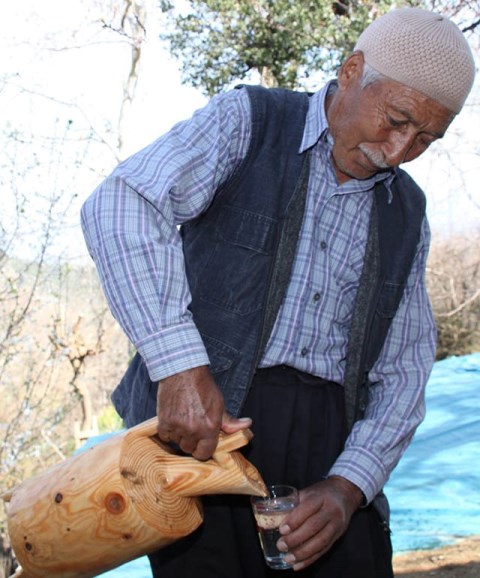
<point>269,514</point>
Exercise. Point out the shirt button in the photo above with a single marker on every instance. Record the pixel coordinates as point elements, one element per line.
<point>316,297</point>
<point>304,352</point>
<point>323,245</point>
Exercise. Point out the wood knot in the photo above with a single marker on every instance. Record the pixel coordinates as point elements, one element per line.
<point>115,503</point>
<point>58,497</point>
<point>131,476</point>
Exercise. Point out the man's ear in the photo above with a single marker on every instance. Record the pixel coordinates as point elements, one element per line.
<point>351,70</point>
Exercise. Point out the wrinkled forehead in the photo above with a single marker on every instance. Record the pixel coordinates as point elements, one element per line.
<point>410,106</point>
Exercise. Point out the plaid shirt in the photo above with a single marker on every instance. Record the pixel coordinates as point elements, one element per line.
<point>131,228</point>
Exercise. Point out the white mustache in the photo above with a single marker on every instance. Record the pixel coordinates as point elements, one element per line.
<point>376,158</point>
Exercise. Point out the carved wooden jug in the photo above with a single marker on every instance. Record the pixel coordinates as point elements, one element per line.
<point>126,497</point>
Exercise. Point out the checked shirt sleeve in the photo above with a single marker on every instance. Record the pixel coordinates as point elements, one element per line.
<point>396,404</point>
<point>131,227</point>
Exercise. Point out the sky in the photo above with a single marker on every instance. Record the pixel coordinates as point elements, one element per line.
<point>59,49</point>
<point>61,76</point>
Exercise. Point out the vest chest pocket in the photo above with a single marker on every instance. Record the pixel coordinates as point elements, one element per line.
<point>387,305</point>
<point>236,272</point>
<point>389,300</point>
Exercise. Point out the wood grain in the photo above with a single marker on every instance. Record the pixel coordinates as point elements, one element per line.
<point>119,500</point>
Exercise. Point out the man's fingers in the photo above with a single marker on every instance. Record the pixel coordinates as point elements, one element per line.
<point>231,424</point>
<point>202,449</point>
<point>164,433</point>
<point>301,552</point>
<point>205,448</point>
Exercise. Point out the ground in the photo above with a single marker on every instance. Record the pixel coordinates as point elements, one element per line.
<point>460,560</point>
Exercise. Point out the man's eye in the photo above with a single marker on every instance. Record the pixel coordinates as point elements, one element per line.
<point>395,122</point>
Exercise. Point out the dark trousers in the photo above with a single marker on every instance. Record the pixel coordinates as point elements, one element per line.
<point>298,425</point>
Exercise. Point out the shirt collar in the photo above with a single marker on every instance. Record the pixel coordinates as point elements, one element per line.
<point>316,122</point>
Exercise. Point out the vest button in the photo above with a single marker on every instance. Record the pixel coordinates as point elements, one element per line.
<point>316,297</point>
<point>323,245</point>
<point>304,352</point>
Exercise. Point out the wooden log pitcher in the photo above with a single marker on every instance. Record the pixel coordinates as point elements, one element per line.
<point>128,496</point>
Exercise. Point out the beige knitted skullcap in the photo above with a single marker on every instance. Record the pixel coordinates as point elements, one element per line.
<point>422,50</point>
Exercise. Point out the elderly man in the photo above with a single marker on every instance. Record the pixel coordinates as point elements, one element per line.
<point>293,292</point>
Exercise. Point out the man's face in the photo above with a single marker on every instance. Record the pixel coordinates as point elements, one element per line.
<point>380,126</point>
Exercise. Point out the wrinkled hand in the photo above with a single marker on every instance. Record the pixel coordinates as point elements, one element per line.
<point>322,516</point>
<point>191,412</point>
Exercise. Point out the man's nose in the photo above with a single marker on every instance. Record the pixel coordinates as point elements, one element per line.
<point>397,147</point>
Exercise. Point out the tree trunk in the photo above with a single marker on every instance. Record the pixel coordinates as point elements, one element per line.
<point>267,78</point>
<point>7,563</point>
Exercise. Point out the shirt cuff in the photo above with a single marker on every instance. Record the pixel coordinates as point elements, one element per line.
<point>172,350</point>
<point>363,469</point>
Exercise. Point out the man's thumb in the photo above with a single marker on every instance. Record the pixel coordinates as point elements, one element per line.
<point>232,424</point>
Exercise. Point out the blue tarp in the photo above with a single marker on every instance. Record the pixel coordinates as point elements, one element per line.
<point>434,491</point>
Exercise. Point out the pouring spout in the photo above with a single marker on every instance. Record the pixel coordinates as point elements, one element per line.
<point>227,472</point>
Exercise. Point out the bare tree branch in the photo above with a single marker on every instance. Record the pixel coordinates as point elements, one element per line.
<point>461,306</point>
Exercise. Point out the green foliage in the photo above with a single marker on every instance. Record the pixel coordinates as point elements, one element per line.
<point>109,420</point>
<point>285,41</point>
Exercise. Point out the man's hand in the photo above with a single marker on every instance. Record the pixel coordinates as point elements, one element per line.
<point>191,412</point>
<point>322,516</point>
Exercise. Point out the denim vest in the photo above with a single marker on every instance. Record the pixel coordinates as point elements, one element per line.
<point>239,256</point>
